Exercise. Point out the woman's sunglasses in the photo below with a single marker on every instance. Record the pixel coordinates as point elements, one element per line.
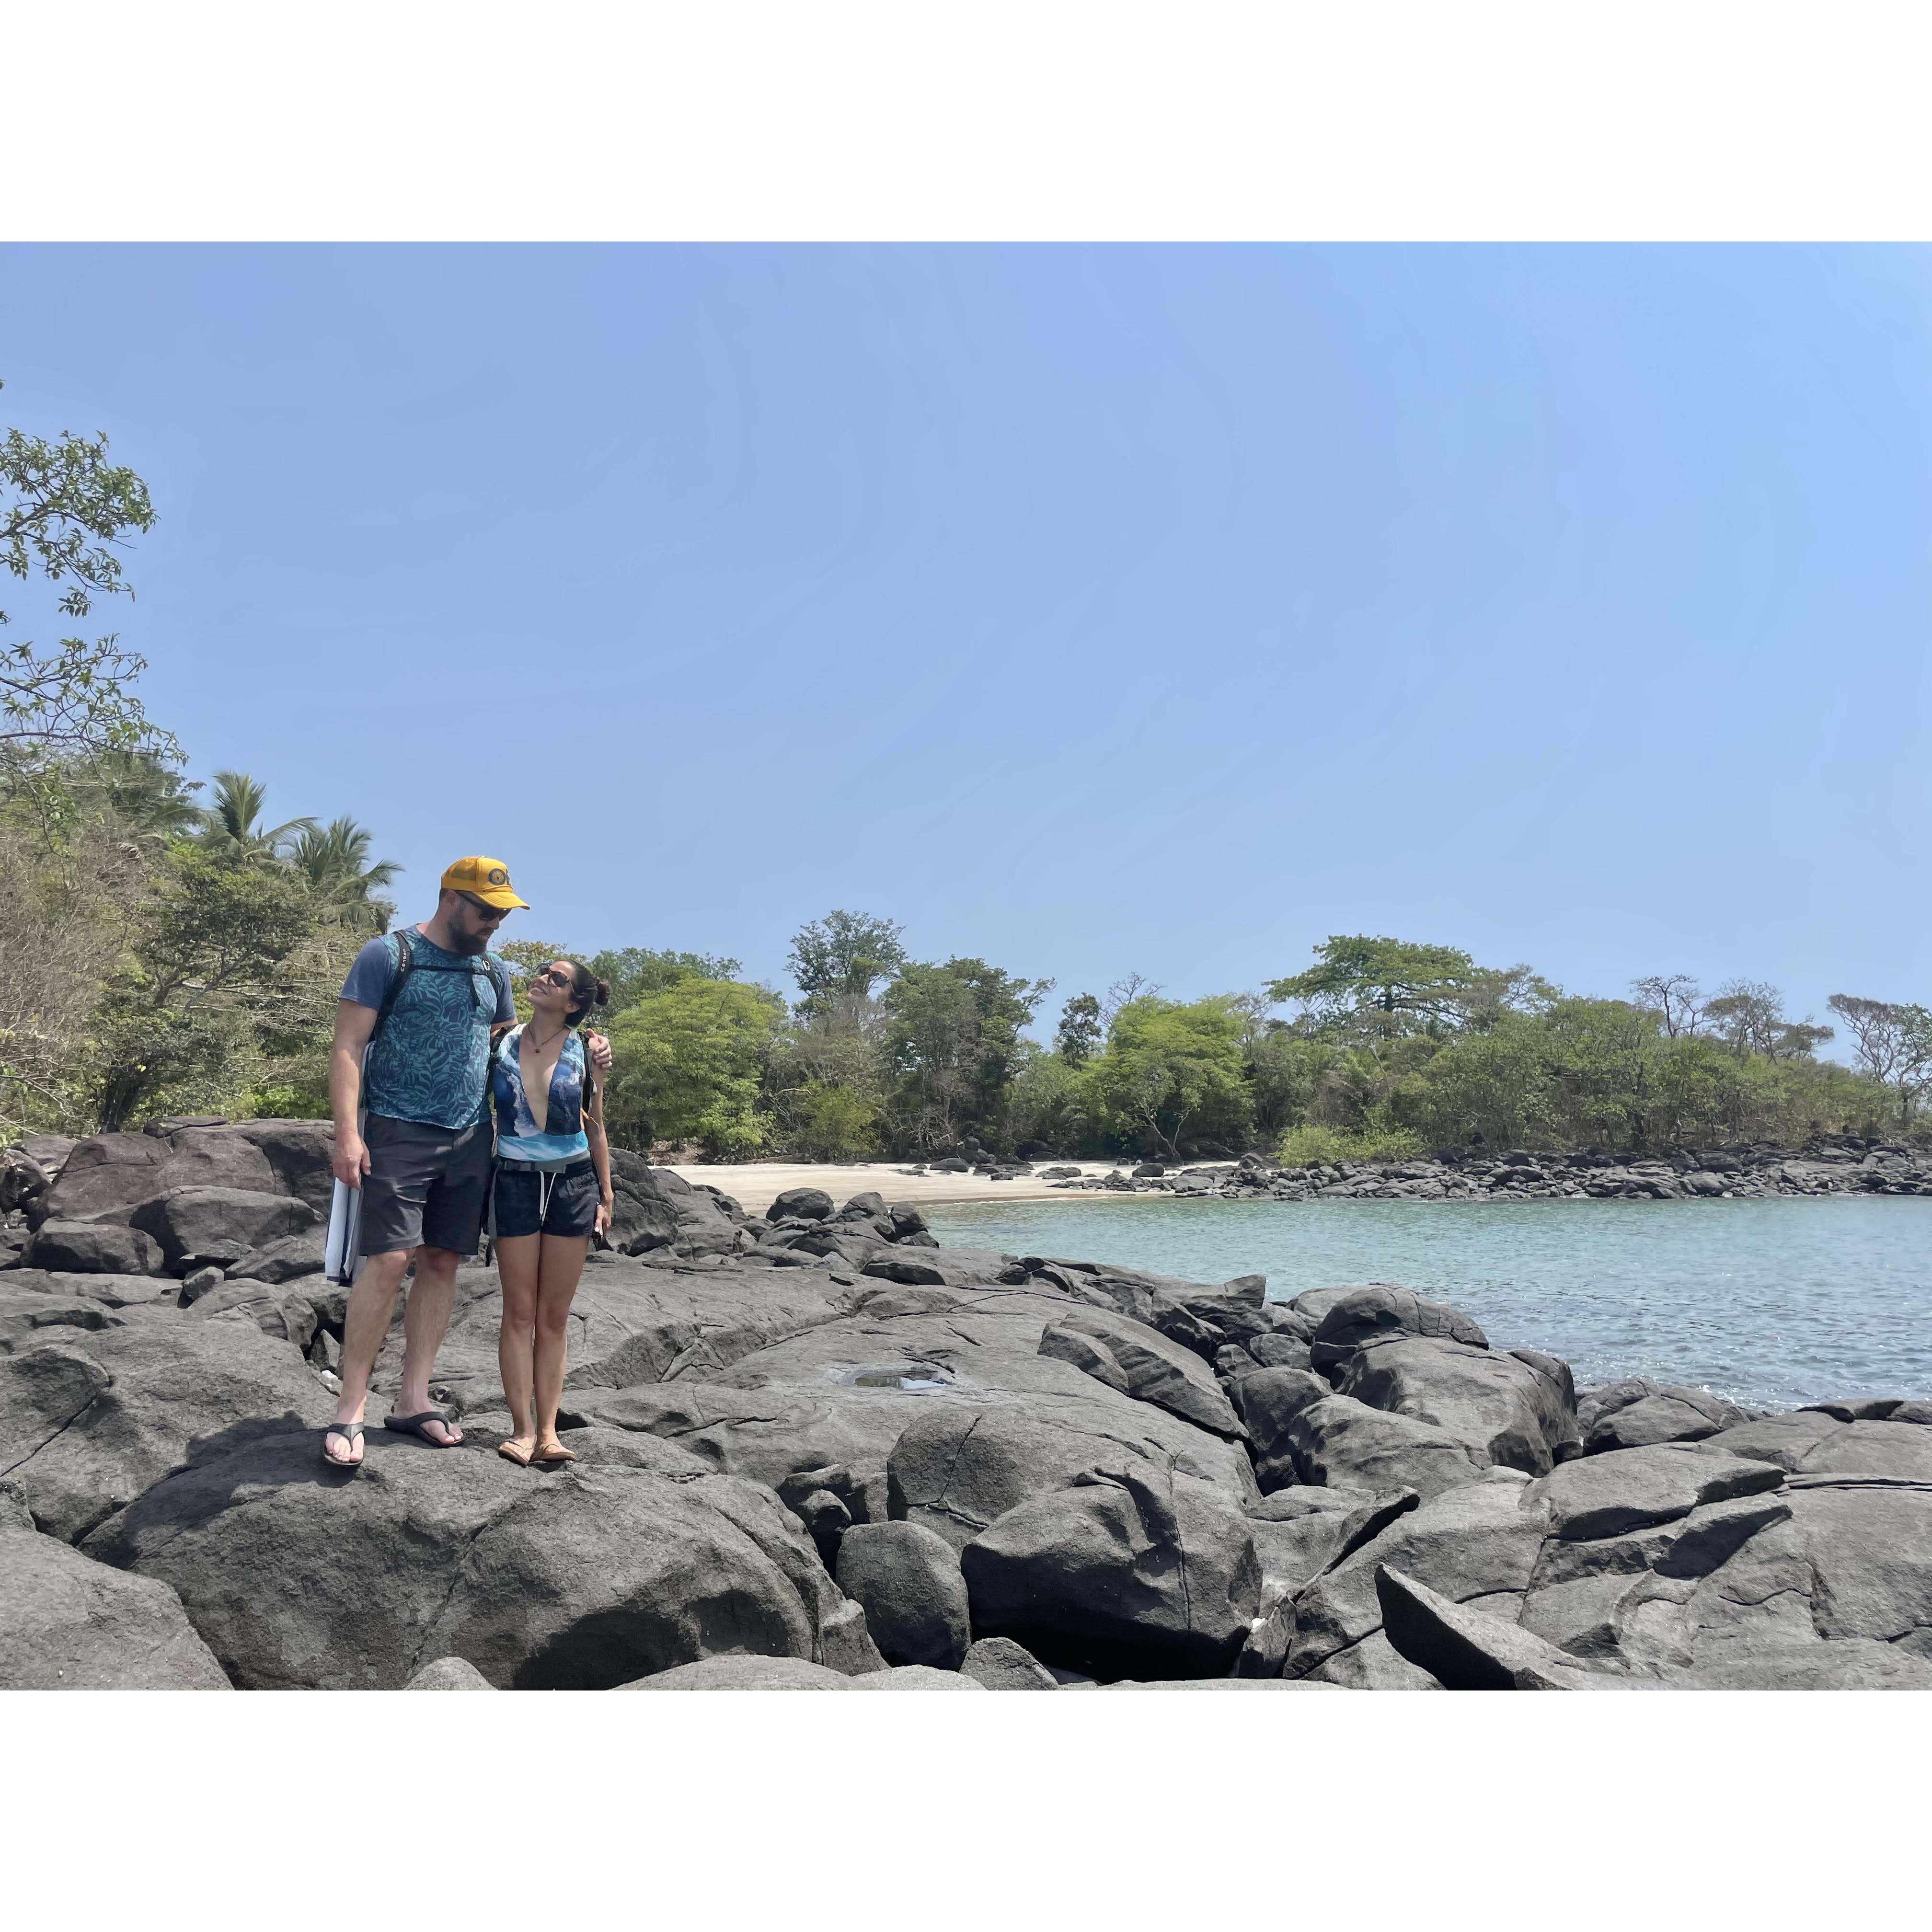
<point>552,977</point>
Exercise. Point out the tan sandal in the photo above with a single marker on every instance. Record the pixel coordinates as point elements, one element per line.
<point>510,1453</point>
<point>558,1454</point>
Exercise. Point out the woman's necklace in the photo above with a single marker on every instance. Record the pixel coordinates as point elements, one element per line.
<point>543,1046</point>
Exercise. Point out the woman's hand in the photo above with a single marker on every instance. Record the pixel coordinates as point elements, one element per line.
<point>604,1211</point>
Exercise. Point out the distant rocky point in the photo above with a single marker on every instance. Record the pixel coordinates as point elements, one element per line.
<point>1735,1173</point>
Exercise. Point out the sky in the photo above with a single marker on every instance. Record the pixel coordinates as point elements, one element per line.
<point>1090,611</point>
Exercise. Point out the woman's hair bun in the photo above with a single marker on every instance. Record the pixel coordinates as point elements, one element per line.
<point>603,993</point>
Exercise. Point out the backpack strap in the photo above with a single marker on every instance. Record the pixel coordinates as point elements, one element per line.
<point>593,1085</point>
<point>405,960</point>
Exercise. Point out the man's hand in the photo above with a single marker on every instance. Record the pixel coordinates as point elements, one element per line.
<point>352,1159</point>
<point>600,1052</point>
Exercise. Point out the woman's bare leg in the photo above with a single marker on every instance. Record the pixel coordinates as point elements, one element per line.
<point>517,1262</point>
<point>562,1267</point>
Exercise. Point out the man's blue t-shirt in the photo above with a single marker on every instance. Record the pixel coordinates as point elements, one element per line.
<point>430,1061</point>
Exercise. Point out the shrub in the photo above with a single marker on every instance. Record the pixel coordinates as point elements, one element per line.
<point>1311,1146</point>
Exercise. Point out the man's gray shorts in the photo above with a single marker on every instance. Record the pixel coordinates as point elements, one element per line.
<point>426,1186</point>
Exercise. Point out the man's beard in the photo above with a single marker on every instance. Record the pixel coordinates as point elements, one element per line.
<point>468,944</point>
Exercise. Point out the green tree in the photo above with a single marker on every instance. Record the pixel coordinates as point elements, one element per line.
<point>1380,989</point>
<point>203,981</point>
<point>687,1064</point>
<point>1049,1104</point>
<point>231,823</point>
<point>840,960</point>
<point>952,1034</point>
<point>1894,1045</point>
<point>635,970</point>
<point>830,1123</point>
<point>335,861</point>
<point>1173,1074</point>
<point>1080,1030</point>
<point>65,511</point>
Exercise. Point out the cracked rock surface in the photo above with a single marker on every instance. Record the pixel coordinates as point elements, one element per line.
<point>1025,1472</point>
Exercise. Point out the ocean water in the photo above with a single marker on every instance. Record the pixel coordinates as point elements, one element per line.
<point>1770,1302</point>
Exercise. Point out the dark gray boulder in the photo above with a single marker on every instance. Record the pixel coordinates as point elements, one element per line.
<point>1366,1315</point>
<point>67,1623</point>
<point>1160,1301</point>
<point>1280,1351</point>
<point>802,1204</point>
<point>1000,1664</point>
<point>957,1470</point>
<point>658,1212</point>
<point>214,1157</point>
<point>1859,1663</point>
<point>300,1154</point>
<point>87,1425</point>
<point>110,1291</point>
<point>108,1171</point>
<point>1638,1413</point>
<point>1150,1367</point>
<point>25,1318</point>
<point>298,1576</point>
<point>1269,1401</point>
<point>283,1313</point>
<point>1343,1444</point>
<point>1301,1531</point>
<point>1602,1495</point>
<point>220,1225</point>
<point>1478,1544</point>
<point>1465,1649</point>
<point>1089,1353</point>
<point>1505,1409</point>
<point>1133,1570</point>
<point>908,1581</point>
<point>89,1247</point>
<point>1624,1598</point>
<point>1786,1440</point>
<point>288,1259</point>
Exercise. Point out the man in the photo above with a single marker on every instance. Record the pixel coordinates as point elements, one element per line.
<point>423,1165</point>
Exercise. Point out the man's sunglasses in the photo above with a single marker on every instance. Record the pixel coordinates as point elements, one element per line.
<point>490,915</point>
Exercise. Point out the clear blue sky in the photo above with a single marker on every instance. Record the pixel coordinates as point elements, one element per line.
<point>1089,609</point>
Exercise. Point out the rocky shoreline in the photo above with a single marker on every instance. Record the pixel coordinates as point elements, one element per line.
<point>1748,1173</point>
<point>818,1451</point>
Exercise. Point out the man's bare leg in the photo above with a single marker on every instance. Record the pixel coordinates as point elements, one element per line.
<point>372,1303</point>
<point>432,1296</point>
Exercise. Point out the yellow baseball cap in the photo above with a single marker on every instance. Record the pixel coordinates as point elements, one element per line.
<point>486,879</point>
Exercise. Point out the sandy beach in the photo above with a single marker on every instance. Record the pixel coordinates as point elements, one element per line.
<point>755,1184</point>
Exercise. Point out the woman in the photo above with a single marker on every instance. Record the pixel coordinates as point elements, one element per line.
<point>552,1192</point>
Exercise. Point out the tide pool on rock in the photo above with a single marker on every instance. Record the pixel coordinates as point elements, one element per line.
<point>1769,1303</point>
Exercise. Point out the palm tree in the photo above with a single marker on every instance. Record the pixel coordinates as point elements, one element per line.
<point>232,823</point>
<point>336,862</point>
<point>143,792</point>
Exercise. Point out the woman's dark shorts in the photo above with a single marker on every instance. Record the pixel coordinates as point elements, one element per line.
<point>520,1206</point>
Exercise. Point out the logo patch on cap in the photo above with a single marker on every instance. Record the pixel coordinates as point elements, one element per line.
<point>498,877</point>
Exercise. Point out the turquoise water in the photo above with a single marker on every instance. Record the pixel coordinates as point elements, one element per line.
<point>1770,1302</point>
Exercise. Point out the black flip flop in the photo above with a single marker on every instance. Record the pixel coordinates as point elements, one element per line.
<point>413,1425</point>
<point>349,1431</point>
